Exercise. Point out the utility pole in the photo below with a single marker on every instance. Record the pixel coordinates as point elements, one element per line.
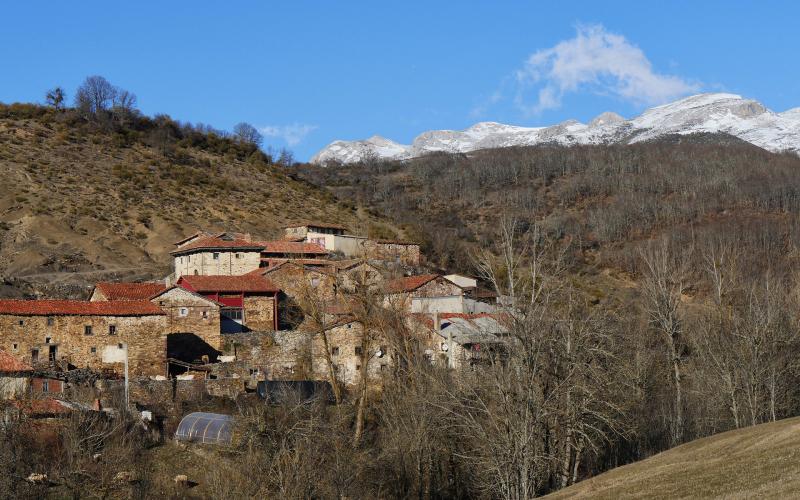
<point>125,346</point>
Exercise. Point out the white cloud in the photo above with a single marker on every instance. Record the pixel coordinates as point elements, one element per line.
<point>292,134</point>
<point>594,61</point>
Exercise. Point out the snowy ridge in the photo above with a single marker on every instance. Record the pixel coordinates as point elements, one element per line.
<point>746,119</point>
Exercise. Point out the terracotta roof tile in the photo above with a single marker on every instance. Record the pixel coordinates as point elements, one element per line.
<point>10,364</point>
<point>79,308</point>
<point>130,291</point>
<point>252,283</point>
<point>409,283</point>
<point>219,243</point>
<point>41,407</point>
<point>292,247</point>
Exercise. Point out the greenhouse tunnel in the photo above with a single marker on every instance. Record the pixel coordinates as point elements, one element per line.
<point>205,428</point>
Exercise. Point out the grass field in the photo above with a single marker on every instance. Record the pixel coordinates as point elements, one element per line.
<point>755,462</point>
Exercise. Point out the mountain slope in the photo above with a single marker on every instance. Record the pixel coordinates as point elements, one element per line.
<point>730,114</point>
<point>79,203</point>
<point>761,461</point>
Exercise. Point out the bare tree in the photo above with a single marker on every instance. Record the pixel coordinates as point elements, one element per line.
<point>663,281</point>
<point>95,95</point>
<point>247,134</point>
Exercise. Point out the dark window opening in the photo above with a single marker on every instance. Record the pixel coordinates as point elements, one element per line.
<point>358,350</point>
<point>112,329</point>
<point>50,321</point>
<point>93,349</point>
<point>87,330</point>
<point>334,351</point>
<point>34,355</point>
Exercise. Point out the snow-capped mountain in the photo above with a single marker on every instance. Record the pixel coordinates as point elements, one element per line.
<point>746,119</point>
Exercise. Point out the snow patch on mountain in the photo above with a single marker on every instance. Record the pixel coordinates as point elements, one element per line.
<point>732,114</point>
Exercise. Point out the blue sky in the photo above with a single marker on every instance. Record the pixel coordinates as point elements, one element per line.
<point>307,73</point>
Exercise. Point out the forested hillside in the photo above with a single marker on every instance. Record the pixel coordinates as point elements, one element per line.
<point>659,284</point>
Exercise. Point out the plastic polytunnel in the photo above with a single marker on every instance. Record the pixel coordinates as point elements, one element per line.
<point>205,428</point>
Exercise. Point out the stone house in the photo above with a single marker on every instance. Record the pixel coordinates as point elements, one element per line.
<point>224,254</point>
<point>96,335</point>
<point>248,302</point>
<point>396,251</point>
<point>15,376</point>
<point>348,353</point>
<point>426,293</point>
<point>300,285</point>
<point>458,340</point>
<point>193,324</point>
<point>334,238</point>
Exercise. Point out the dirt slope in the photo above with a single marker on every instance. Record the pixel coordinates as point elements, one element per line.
<point>761,461</point>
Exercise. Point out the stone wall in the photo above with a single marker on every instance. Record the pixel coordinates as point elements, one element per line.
<point>259,312</point>
<point>233,263</point>
<point>348,353</point>
<point>66,335</point>
<point>282,355</point>
<point>388,251</point>
<point>188,312</point>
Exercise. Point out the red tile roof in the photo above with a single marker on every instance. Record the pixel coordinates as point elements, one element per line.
<point>129,291</point>
<point>79,308</point>
<point>249,283</point>
<point>409,283</point>
<point>10,364</point>
<point>42,407</point>
<point>292,247</point>
<point>219,243</point>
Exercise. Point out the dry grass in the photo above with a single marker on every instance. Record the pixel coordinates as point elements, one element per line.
<point>77,206</point>
<point>761,461</point>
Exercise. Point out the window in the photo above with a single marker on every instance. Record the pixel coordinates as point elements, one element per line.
<point>334,351</point>
<point>120,346</point>
<point>34,355</point>
<point>50,321</point>
<point>358,350</point>
<point>47,340</point>
<point>93,350</point>
<point>215,256</point>
<point>358,367</point>
<point>183,312</point>
<point>14,346</point>
<point>87,330</point>
<point>238,256</point>
<point>234,314</point>
<point>383,367</point>
<point>205,314</point>
<point>45,385</point>
<point>21,322</point>
<point>254,372</point>
<point>112,329</point>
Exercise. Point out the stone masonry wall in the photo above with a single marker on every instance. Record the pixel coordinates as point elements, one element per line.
<point>259,313</point>
<point>189,313</point>
<point>144,335</point>
<point>234,263</point>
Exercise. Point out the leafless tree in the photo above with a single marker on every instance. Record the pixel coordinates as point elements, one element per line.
<point>664,276</point>
<point>95,95</point>
<point>248,134</point>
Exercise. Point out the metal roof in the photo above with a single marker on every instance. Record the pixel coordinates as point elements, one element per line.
<point>205,428</point>
<point>482,329</point>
